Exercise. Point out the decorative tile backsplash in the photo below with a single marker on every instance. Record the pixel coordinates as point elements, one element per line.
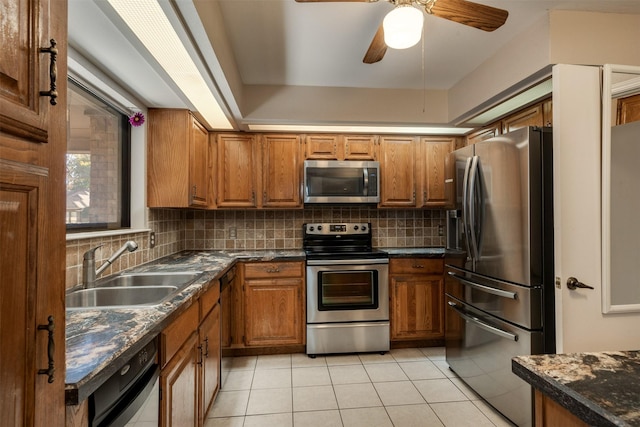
<point>178,230</point>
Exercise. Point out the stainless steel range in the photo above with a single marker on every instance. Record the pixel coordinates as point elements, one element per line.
<point>347,290</point>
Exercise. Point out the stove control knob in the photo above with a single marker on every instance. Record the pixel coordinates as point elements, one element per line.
<point>355,227</point>
<point>364,228</point>
<point>319,228</point>
<point>311,228</point>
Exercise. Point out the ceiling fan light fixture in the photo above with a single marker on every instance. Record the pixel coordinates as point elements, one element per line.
<point>403,26</point>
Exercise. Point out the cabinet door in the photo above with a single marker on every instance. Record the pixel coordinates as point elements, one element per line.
<point>198,170</point>
<point>438,176</point>
<point>359,147</point>
<point>178,383</point>
<point>281,171</point>
<point>397,171</point>
<point>484,134</point>
<point>322,147</point>
<point>529,117</point>
<point>25,70</point>
<point>274,313</point>
<point>33,143</point>
<point>417,307</point>
<point>628,110</point>
<point>210,342</point>
<point>237,171</point>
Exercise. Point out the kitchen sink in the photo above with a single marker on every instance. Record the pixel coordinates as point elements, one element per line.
<point>130,290</point>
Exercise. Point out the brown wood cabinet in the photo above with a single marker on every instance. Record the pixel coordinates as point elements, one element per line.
<point>437,180</point>
<point>33,144</point>
<point>397,156</point>
<point>281,171</point>
<point>237,171</point>
<point>340,147</point>
<point>177,160</point>
<point>628,110</point>
<point>483,133</point>
<point>531,116</point>
<point>417,298</point>
<point>548,413</point>
<point>274,303</point>
<point>190,363</point>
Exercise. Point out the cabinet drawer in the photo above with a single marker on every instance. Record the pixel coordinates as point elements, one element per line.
<point>174,335</point>
<point>416,266</point>
<point>273,269</point>
<point>209,299</point>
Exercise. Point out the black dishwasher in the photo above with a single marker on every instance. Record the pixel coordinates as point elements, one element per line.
<point>120,397</point>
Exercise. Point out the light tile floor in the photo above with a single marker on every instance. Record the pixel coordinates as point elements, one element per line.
<point>402,388</point>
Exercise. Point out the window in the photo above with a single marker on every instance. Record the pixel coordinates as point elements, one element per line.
<point>98,163</point>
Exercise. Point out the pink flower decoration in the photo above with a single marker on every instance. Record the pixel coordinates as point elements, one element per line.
<point>137,119</point>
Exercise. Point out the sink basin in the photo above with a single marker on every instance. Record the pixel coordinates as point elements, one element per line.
<point>130,290</point>
<point>148,279</point>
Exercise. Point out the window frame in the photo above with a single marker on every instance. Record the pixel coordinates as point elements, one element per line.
<point>125,146</point>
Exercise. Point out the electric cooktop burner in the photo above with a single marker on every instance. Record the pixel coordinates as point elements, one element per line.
<point>339,241</point>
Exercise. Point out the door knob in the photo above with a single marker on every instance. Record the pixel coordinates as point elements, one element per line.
<point>573,283</point>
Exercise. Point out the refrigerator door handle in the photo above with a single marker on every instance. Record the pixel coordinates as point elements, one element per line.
<point>482,325</point>
<point>483,288</point>
<point>465,207</point>
<point>473,182</point>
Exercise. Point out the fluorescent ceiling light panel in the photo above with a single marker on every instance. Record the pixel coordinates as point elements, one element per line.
<point>532,94</point>
<point>416,130</point>
<point>149,23</point>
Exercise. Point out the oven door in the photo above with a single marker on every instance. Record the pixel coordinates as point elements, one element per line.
<point>347,290</point>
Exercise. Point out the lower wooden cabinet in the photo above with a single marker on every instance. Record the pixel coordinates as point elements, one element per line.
<point>417,299</point>
<point>190,363</point>
<point>548,413</point>
<point>274,303</point>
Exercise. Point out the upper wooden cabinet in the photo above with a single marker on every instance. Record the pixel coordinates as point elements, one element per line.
<point>33,143</point>
<point>177,160</point>
<point>397,156</point>
<point>237,170</point>
<point>540,114</point>
<point>437,181</point>
<point>281,171</point>
<point>628,110</point>
<point>340,147</point>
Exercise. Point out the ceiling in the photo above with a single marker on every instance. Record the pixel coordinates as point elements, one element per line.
<point>243,45</point>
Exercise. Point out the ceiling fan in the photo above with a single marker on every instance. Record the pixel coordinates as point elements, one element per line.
<point>409,21</point>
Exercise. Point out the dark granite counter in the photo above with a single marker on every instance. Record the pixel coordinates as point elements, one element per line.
<point>602,389</point>
<point>99,342</point>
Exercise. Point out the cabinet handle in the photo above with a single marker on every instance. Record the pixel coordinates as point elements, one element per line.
<point>206,347</point>
<point>253,197</point>
<point>52,93</point>
<point>417,266</point>
<point>51,349</point>
<point>414,196</point>
<point>199,362</point>
<point>194,191</point>
<point>264,197</point>
<point>273,270</point>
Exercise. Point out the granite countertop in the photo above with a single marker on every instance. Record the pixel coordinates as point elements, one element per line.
<point>99,342</point>
<point>601,388</point>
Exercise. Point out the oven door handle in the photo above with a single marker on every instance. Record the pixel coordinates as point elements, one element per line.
<point>481,324</point>
<point>348,261</point>
<point>484,288</point>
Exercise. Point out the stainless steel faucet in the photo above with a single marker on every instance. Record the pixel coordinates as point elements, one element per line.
<point>89,272</point>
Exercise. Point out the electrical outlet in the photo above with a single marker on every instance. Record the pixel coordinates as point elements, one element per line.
<point>152,239</point>
<point>233,233</point>
<point>440,230</point>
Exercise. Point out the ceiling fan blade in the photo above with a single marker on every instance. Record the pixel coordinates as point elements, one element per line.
<point>377,48</point>
<point>475,15</point>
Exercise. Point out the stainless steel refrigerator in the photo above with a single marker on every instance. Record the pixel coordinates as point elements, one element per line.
<point>499,296</point>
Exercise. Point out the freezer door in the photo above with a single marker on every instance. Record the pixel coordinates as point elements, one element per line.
<point>479,349</point>
<point>508,174</point>
<point>514,303</point>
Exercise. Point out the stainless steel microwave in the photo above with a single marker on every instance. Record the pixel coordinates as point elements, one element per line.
<point>333,181</point>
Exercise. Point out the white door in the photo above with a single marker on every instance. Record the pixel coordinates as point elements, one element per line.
<point>580,324</point>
